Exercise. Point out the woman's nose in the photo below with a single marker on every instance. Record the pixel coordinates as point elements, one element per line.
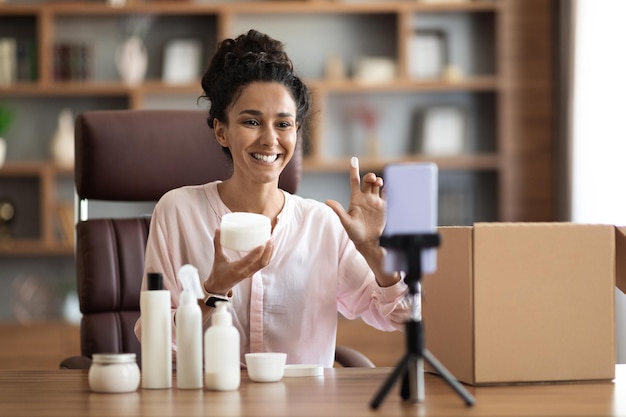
<point>269,136</point>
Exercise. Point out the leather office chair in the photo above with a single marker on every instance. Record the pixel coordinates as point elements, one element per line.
<point>134,156</point>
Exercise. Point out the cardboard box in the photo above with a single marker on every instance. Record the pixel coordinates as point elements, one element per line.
<point>524,302</point>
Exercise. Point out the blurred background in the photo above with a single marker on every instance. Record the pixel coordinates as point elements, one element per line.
<point>517,101</point>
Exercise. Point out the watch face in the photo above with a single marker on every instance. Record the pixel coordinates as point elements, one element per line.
<point>213,299</point>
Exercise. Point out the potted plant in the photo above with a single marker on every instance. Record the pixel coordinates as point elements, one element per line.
<point>6,118</point>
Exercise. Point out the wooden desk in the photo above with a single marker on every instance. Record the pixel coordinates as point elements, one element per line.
<point>341,392</point>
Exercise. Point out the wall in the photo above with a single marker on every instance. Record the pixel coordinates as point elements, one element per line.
<point>599,143</point>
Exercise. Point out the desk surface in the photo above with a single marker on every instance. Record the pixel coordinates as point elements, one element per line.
<point>340,392</point>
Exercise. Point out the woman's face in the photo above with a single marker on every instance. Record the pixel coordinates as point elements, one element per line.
<point>261,131</point>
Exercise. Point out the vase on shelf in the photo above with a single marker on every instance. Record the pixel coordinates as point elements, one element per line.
<point>62,143</point>
<point>131,60</point>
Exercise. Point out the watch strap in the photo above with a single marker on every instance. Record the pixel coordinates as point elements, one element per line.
<point>212,299</point>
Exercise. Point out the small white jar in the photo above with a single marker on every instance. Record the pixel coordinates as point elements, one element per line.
<point>114,372</point>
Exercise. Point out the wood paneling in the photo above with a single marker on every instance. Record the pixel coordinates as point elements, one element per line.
<point>528,123</point>
<point>37,346</point>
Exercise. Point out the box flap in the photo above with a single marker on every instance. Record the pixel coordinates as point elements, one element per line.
<point>620,258</point>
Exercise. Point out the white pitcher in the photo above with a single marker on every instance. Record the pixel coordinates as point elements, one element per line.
<point>62,143</point>
<point>131,59</point>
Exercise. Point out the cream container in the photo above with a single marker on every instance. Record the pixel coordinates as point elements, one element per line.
<point>303,370</point>
<point>114,373</point>
<point>244,231</point>
<point>266,366</point>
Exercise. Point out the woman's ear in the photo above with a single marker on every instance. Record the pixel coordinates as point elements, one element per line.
<point>220,132</point>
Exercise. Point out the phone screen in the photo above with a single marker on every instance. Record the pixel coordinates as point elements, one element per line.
<point>411,191</point>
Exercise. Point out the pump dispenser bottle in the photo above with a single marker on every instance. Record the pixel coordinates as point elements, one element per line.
<point>156,334</point>
<point>189,330</point>
<point>221,351</point>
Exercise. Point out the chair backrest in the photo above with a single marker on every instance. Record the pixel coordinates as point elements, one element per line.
<point>134,155</point>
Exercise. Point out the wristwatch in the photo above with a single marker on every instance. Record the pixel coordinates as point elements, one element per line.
<point>212,299</point>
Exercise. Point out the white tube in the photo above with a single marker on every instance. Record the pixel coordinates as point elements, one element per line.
<point>156,334</point>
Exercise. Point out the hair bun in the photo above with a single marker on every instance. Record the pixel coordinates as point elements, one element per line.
<point>255,47</point>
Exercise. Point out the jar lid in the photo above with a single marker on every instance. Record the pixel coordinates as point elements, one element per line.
<point>114,358</point>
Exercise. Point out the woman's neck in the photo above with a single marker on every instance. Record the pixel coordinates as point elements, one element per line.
<point>266,199</point>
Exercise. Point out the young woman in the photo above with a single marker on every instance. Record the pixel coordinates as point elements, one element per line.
<point>320,260</point>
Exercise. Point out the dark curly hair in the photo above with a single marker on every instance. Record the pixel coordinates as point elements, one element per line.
<point>249,58</point>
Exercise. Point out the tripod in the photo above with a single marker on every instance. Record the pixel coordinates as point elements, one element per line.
<point>411,366</point>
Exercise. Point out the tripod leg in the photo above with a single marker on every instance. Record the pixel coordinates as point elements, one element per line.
<point>400,369</point>
<point>413,382</point>
<point>448,377</point>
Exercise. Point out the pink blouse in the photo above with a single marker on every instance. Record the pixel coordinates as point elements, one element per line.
<point>291,305</point>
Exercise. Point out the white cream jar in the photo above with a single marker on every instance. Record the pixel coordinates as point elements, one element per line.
<point>244,231</point>
<point>114,373</point>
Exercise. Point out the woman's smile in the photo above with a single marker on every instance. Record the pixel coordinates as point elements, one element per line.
<point>267,158</point>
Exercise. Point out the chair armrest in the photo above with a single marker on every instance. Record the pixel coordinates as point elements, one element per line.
<point>349,357</point>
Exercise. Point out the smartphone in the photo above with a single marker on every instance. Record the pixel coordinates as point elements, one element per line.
<point>411,192</point>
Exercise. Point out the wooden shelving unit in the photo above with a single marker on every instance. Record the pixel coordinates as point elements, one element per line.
<point>51,235</point>
<point>511,91</point>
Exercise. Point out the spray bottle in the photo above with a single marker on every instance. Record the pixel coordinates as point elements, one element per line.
<point>189,330</point>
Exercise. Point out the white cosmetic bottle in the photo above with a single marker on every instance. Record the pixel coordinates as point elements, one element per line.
<point>222,366</point>
<point>189,330</point>
<point>156,334</point>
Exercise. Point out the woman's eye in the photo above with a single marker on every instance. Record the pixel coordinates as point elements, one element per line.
<point>251,123</point>
<point>284,125</point>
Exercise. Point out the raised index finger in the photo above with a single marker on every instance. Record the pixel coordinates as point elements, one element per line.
<point>355,176</point>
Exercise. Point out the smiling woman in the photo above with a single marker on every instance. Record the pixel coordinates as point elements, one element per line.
<point>321,259</point>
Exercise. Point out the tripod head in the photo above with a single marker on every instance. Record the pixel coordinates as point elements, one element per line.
<point>412,246</point>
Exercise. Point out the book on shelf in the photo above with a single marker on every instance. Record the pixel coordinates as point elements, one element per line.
<point>72,61</point>
<point>26,60</point>
<point>18,60</point>
<point>8,68</point>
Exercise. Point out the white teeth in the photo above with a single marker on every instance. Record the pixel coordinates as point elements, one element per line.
<point>264,158</point>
